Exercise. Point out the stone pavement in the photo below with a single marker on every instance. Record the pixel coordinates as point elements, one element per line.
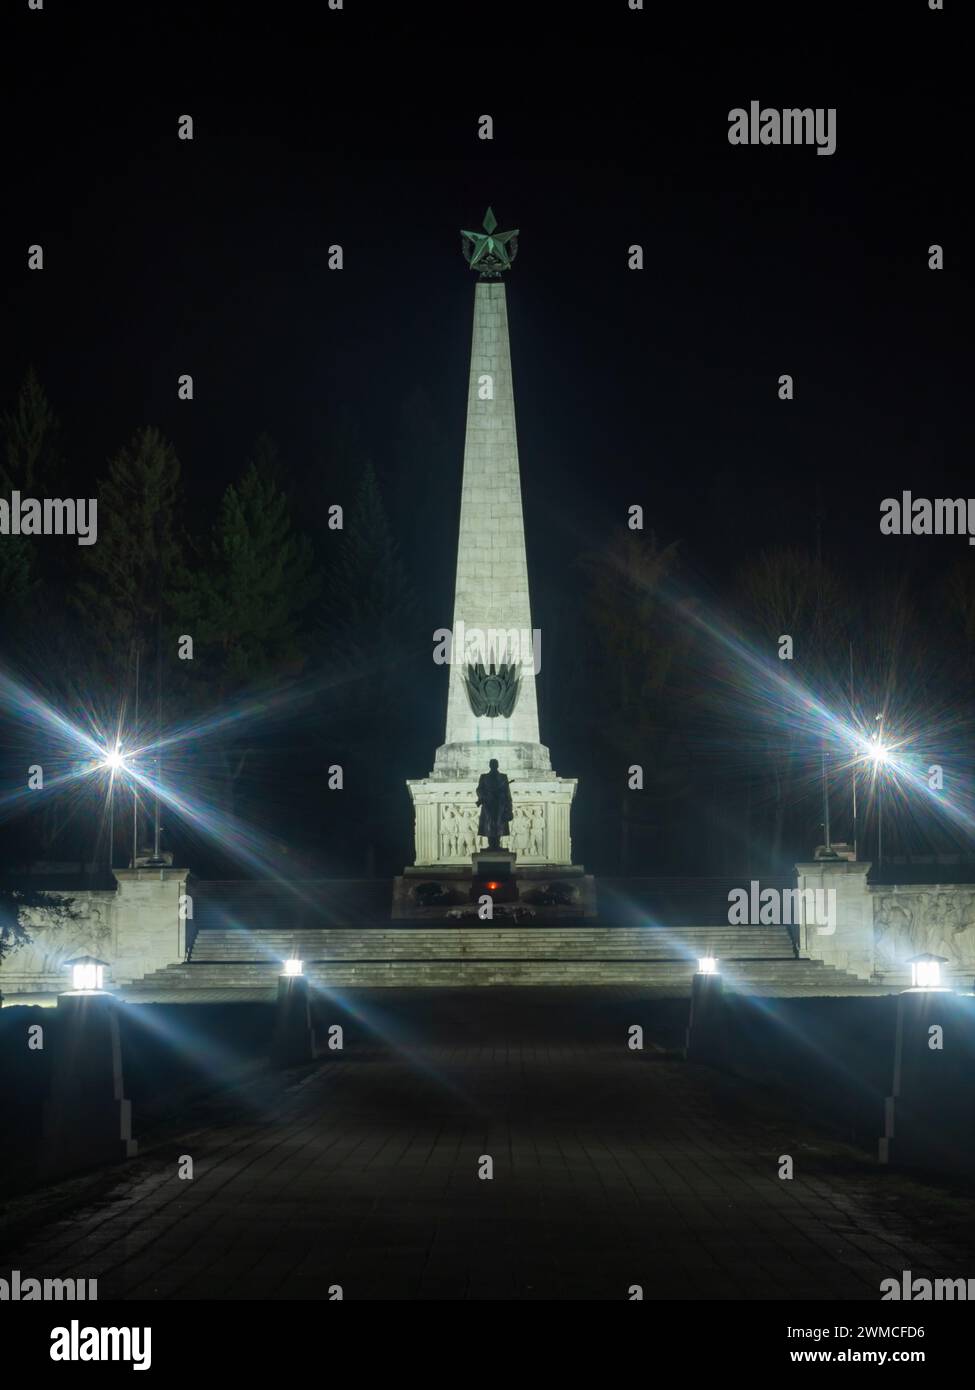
<point>611,1168</point>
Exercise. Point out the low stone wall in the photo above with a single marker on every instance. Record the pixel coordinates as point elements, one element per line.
<point>38,966</point>
<point>138,928</point>
<point>939,918</point>
<point>880,927</point>
<point>831,1058</point>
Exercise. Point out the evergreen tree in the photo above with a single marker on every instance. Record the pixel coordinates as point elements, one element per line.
<point>258,579</point>
<point>126,576</point>
<point>30,461</point>
<point>18,580</point>
<point>31,436</point>
<point>244,605</point>
<point>266,458</point>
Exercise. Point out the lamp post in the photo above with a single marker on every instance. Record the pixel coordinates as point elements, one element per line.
<point>706,1019</point>
<point>114,761</point>
<point>293,1039</point>
<point>880,757</point>
<point>159,589</point>
<point>927,1116</point>
<point>879,752</point>
<point>826,830</point>
<point>135,790</point>
<point>87,1119</point>
<point>853,768</point>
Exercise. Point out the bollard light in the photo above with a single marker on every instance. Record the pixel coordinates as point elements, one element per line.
<point>926,971</point>
<point>707,965</point>
<point>87,973</point>
<point>293,966</point>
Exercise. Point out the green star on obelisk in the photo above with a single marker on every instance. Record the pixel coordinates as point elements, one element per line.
<point>490,252</point>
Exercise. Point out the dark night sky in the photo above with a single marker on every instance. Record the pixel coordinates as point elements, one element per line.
<point>657,387</point>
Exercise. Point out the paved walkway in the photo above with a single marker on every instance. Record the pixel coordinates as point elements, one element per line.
<point>611,1168</point>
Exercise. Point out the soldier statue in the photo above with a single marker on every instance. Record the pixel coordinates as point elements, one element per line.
<point>494,799</point>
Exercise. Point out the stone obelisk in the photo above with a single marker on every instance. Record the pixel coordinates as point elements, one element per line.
<point>492,649</point>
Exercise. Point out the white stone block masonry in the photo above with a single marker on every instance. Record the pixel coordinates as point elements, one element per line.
<point>491,593</point>
<point>137,929</point>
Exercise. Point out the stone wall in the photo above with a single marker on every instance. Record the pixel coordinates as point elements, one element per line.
<point>909,920</point>
<point>38,967</point>
<point>139,928</point>
<point>446,821</point>
<point>879,927</point>
<point>849,944</point>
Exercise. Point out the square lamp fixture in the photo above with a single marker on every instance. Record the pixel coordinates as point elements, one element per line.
<point>926,970</point>
<point>293,967</point>
<point>87,973</point>
<point>707,965</point>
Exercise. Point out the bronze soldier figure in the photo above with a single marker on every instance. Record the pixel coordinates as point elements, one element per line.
<point>494,799</point>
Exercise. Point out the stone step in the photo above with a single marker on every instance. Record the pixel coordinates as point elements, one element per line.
<point>238,963</point>
<point>534,943</point>
<point>255,970</point>
<point>260,980</point>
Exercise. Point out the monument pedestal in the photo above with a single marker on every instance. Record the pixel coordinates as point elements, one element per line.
<point>431,893</point>
<point>493,874</point>
<point>447,818</point>
<point>494,862</point>
<point>449,849</point>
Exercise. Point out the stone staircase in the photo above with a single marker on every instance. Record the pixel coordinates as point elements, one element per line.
<point>245,964</point>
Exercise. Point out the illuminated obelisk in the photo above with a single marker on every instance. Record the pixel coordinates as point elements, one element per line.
<point>493,650</point>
